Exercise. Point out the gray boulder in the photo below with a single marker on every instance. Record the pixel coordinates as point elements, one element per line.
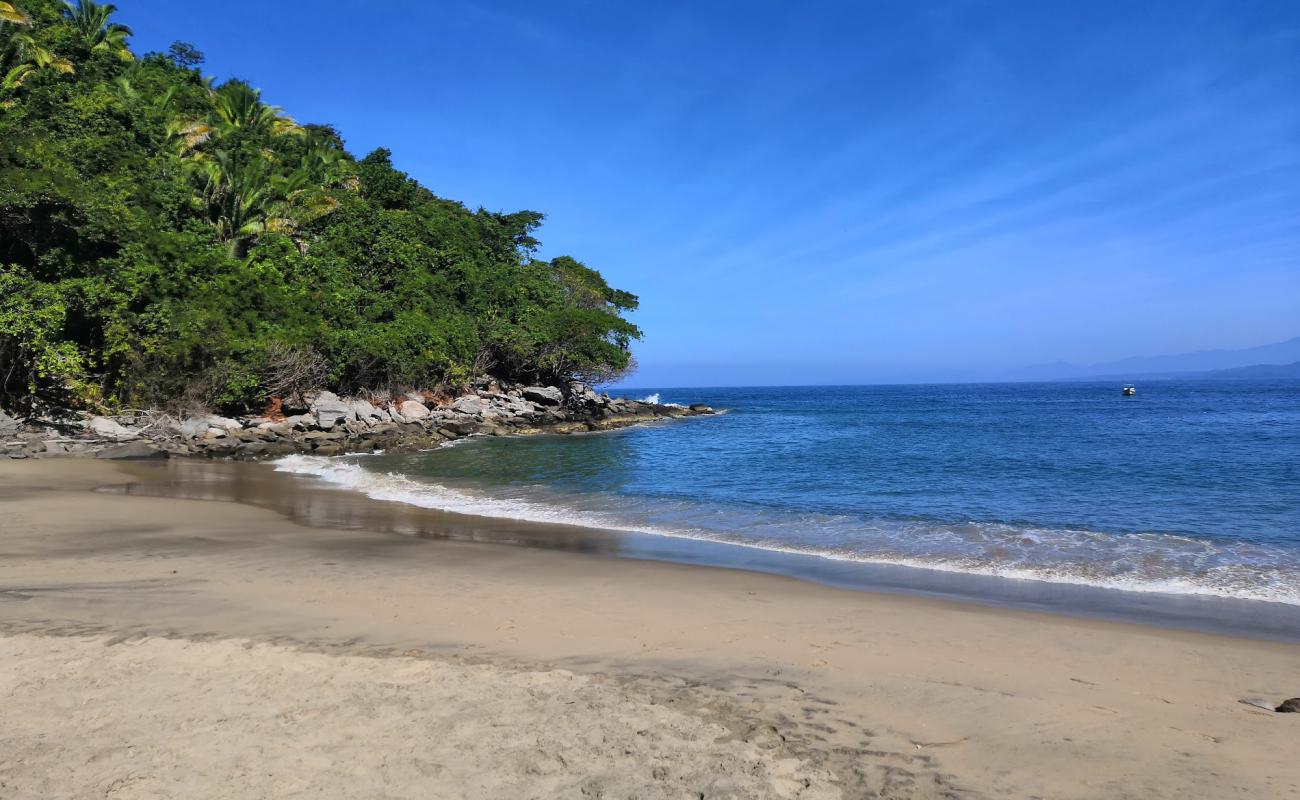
<point>412,411</point>
<point>366,412</point>
<point>106,428</point>
<point>330,410</point>
<point>8,424</point>
<point>300,421</point>
<point>224,423</point>
<point>543,395</point>
<point>504,405</point>
<point>469,404</point>
<point>583,393</point>
<point>194,427</point>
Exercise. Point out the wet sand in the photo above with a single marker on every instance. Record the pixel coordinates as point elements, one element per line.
<point>171,647</point>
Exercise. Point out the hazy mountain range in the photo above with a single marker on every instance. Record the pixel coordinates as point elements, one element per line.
<point>1277,360</point>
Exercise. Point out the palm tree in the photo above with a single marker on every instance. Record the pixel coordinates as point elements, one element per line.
<point>91,21</point>
<point>242,185</point>
<point>244,198</point>
<point>236,108</point>
<point>20,54</point>
<point>239,106</point>
<point>27,58</point>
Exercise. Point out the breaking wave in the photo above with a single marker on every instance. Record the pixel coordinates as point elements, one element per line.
<point>1137,562</point>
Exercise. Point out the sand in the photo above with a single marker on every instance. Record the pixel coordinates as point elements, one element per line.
<point>160,647</point>
<point>169,718</point>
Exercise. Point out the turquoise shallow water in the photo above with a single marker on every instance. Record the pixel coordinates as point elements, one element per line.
<point>1188,488</point>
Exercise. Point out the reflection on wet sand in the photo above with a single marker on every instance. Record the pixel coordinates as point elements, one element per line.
<point>260,485</point>
<point>305,502</point>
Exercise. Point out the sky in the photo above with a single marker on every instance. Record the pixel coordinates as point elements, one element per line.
<point>836,192</point>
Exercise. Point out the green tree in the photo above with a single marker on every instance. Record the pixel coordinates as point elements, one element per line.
<point>91,21</point>
<point>162,238</point>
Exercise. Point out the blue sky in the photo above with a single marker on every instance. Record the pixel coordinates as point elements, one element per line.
<point>837,192</point>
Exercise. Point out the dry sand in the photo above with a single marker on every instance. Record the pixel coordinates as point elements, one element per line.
<point>179,648</point>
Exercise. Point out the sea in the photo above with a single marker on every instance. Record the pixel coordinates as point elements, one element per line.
<point>1186,488</point>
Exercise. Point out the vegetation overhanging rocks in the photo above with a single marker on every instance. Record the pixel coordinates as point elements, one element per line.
<point>170,242</point>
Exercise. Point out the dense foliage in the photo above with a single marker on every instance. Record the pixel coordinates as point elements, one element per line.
<point>162,237</point>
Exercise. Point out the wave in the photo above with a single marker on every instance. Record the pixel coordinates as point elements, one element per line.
<point>1145,562</point>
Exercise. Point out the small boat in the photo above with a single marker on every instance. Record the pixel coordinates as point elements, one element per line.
<point>1129,391</point>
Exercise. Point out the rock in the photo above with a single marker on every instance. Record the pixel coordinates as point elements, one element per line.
<point>7,424</point>
<point>570,427</point>
<point>330,410</point>
<point>543,395</point>
<point>323,436</point>
<point>413,410</point>
<point>203,425</point>
<point>194,427</point>
<point>700,408</point>
<point>368,413</point>
<point>581,394</point>
<point>469,404</point>
<point>1291,706</point>
<point>300,421</point>
<point>355,427</point>
<point>110,429</point>
<point>219,450</point>
<point>460,427</point>
<point>253,448</point>
<point>132,450</point>
<point>509,408</point>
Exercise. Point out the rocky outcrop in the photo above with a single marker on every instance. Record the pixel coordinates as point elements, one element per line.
<point>331,425</point>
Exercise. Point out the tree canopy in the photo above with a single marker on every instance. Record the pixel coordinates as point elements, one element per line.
<point>164,237</point>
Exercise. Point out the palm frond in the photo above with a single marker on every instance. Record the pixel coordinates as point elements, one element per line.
<point>13,14</point>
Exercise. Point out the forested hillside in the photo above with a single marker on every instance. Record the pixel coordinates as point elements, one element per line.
<point>169,237</point>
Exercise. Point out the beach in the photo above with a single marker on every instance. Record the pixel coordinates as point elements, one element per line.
<point>160,646</point>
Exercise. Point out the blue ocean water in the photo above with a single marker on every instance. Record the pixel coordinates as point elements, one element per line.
<point>1188,487</point>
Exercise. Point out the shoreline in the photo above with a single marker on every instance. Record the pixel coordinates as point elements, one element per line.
<point>337,506</point>
<point>888,693</point>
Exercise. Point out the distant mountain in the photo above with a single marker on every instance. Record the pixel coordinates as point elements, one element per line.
<point>1255,372</point>
<point>1280,355</point>
<point>1252,372</point>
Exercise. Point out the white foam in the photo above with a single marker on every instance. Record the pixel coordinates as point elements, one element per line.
<point>1238,581</point>
<point>651,398</point>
